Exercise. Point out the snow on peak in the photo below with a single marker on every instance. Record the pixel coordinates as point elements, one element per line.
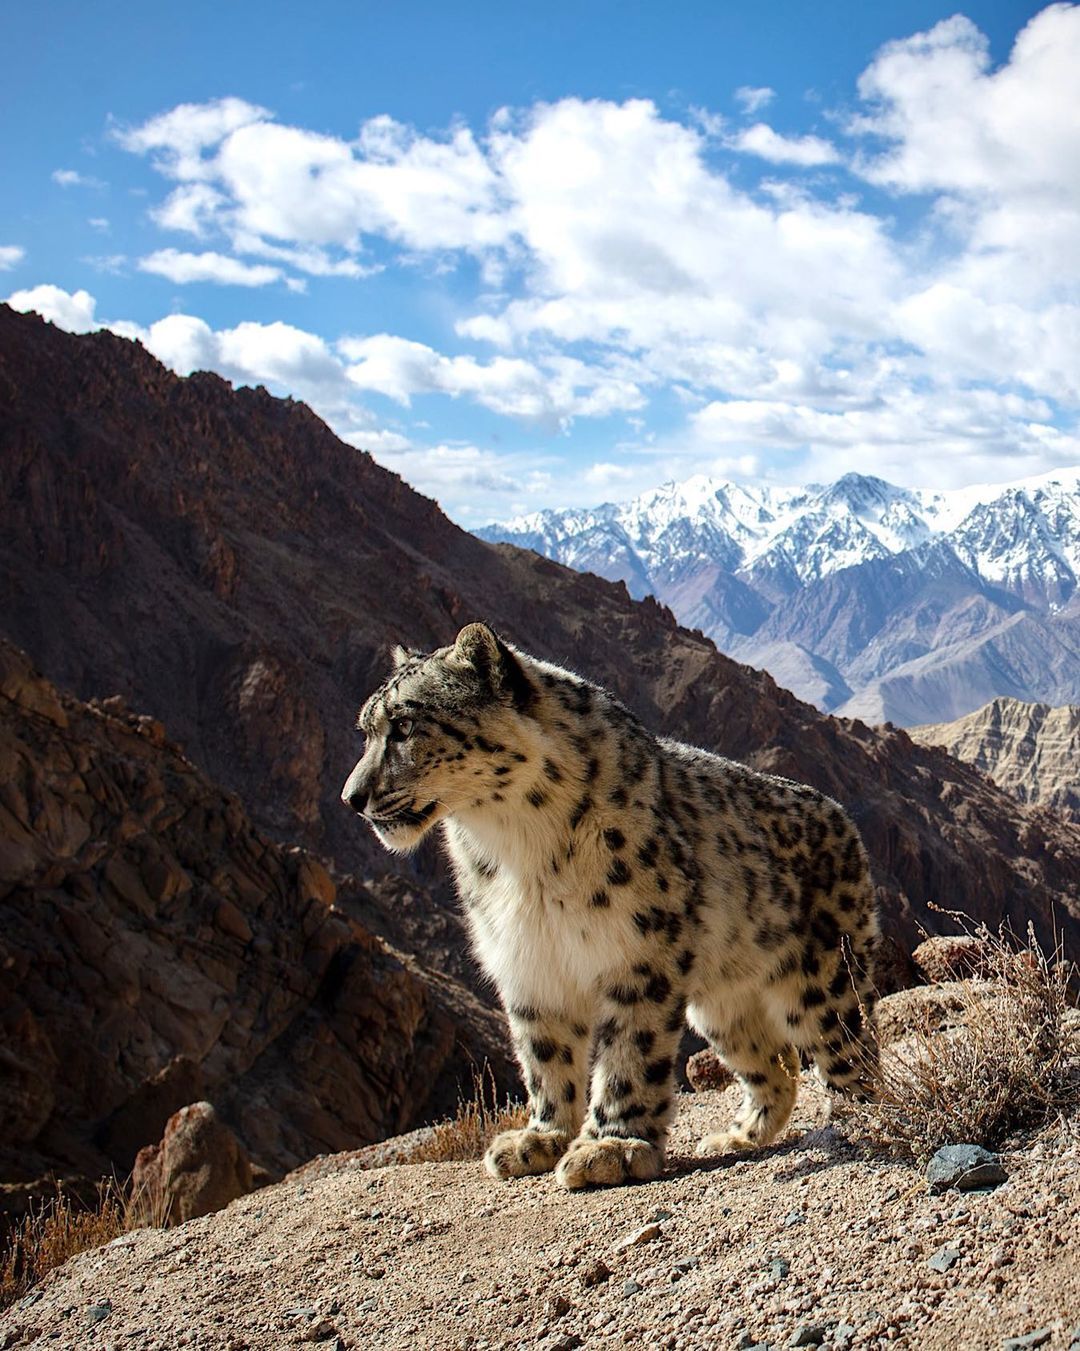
<point>1023,534</point>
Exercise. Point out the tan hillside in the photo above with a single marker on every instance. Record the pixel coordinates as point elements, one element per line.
<point>1030,750</point>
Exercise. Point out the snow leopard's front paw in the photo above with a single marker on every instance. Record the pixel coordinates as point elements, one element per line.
<point>522,1153</point>
<point>608,1162</point>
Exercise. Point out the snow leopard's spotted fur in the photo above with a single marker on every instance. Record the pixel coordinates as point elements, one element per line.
<point>616,886</point>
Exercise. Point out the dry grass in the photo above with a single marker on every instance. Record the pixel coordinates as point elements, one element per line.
<point>469,1133</point>
<point>62,1226</point>
<point>1011,1062</point>
<point>56,1230</point>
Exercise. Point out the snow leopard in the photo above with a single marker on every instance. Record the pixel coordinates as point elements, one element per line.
<point>618,885</point>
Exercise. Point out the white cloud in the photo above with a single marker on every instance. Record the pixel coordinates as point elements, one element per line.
<point>71,178</point>
<point>71,311</point>
<point>178,138</point>
<point>99,223</point>
<point>399,369</point>
<point>603,474</point>
<point>636,242</point>
<point>909,436</point>
<point>10,256</point>
<point>184,268</point>
<point>753,98</point>
<point>763,141</point>
<point>191,208</point>
<point>614,254</point>
<point>951,123</point>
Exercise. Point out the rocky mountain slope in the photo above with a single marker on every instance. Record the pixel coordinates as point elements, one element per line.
<point>804,1244</point>
<point>1030,750</point>
<point>156,948</point>
<point>222,561</point>
<point>880,602</point>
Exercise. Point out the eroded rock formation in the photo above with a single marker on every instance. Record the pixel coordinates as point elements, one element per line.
<point>155,948</point>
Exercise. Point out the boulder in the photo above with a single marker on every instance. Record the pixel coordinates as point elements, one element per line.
<point>953,957</point>
<point>199,1167</point>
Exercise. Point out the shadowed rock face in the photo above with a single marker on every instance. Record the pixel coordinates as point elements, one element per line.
<point>228,565</point>
<point>156,948</point>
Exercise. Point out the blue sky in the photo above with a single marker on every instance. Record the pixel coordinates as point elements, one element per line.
<point>555,256</point>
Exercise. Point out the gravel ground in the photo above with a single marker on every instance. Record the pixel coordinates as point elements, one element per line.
<point>801,1244</point>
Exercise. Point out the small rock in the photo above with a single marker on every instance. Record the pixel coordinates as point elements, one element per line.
<point>944,1260</point>
<point>779,1268</point>
<point>843,1332</point>
<point>746,1341</point>
<point>1038,1338</point>
<point>964,1167</point>
<point>559,1306</point>
<point>97,1312</point>
<point>631,1287</point>
<point>809,1334</point>
<point>595,1274</point>
<point>793,1217</point>
<point>705,1070</point>
<point>645,1234</point>
<point>321,1330</point>
<point>685,1264</point>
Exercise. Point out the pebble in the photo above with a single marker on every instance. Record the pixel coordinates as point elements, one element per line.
<point>944,1259</point>
<point>645,1234</point>
<point>793,1217</point>
<point>595,1274</point>
<point>631,1287</point>
<point>97,1312</point>
<point>1037,1338</point>
<point>809,1334</point>
<point>964,1167</point>
<point>779,1268</point>
<point>320,1330</point>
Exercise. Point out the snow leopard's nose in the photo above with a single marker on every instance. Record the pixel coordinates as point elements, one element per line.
<point>357,791</point>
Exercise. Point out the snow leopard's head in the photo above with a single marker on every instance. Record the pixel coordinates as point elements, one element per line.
<point>442,735</point>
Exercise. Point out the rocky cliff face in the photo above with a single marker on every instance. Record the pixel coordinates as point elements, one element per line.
<point>156,948</point>
<point>219,558</point>
<point>1030,750</point>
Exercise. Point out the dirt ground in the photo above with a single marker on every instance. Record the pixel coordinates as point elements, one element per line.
<point>805,1243</point>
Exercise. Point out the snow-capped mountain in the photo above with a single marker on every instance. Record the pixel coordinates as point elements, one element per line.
<point>864,579</point>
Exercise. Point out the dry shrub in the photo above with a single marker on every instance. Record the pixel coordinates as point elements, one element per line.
<point>468,1134</point>
<point>54,1231</point>
<point>1011,1063</point>
<point>63,1226</point>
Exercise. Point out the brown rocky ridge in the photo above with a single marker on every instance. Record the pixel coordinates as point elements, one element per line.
<point>156,949</point>
<point>222,561</point>
<point>1030,750</point>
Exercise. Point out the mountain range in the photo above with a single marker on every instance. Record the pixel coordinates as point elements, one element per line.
<point>867,599</point>
<point>215,559</point>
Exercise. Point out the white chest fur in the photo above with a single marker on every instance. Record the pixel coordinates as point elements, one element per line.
<point>533,929</point>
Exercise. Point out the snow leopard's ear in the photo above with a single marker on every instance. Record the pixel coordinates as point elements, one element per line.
<point>480,647</point>
<point>399,656</point>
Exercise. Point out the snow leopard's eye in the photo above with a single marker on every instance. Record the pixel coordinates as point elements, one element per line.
<point>400,729</point>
